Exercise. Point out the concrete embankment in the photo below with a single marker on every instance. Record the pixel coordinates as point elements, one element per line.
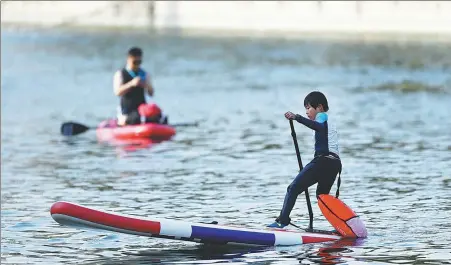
<point>260,17</point>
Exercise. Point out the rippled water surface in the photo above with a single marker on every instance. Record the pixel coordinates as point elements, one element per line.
<point>392,101</point>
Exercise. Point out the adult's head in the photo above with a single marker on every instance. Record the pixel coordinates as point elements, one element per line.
<point>134,58</point>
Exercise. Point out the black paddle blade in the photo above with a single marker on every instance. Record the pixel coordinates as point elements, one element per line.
<point>72,128</point>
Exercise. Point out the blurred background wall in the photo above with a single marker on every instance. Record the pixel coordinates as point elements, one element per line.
<point>417,17</point>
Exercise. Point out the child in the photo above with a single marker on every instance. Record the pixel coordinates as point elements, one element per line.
<point>326,163</point>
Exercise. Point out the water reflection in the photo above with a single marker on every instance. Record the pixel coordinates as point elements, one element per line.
<point>390,100</point>
<point>184,255</point>
<point>332,253</point>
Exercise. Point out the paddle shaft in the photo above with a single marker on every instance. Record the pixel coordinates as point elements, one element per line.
<point>74,128</point>
<point>298,154</point>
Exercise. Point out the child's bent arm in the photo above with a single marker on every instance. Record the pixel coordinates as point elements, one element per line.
<point>314,125</point>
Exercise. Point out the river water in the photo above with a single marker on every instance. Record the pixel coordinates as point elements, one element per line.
<point>391,100</point>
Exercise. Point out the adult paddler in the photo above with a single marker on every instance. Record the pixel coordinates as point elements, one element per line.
<point>130,84</point>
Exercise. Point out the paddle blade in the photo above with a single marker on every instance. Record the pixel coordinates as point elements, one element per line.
<point>72,128</point>
<point>341,217</point>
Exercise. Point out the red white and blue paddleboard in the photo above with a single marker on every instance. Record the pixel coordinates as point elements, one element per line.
<point>71,214</point>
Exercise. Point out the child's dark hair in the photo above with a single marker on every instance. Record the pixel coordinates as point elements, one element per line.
<point>316,98</point>
<point>135,52</point>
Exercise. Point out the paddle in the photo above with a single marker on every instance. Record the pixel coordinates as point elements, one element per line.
<point>307,197</point>
<point>74,128</point>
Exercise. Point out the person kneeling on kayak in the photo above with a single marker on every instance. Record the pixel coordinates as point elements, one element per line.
<point>326,164</point>
<point>130,84</point>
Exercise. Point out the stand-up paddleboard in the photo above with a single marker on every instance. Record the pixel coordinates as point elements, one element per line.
<point>71,214</point>
<point>341,217</point>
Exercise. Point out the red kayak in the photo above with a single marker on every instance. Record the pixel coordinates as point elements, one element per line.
<point>109,130</point>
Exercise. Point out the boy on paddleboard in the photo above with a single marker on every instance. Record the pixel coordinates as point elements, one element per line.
<point>326,164</point>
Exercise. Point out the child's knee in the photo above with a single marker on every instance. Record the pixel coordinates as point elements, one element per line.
<point>289,187</point>
<point>294,187</point>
